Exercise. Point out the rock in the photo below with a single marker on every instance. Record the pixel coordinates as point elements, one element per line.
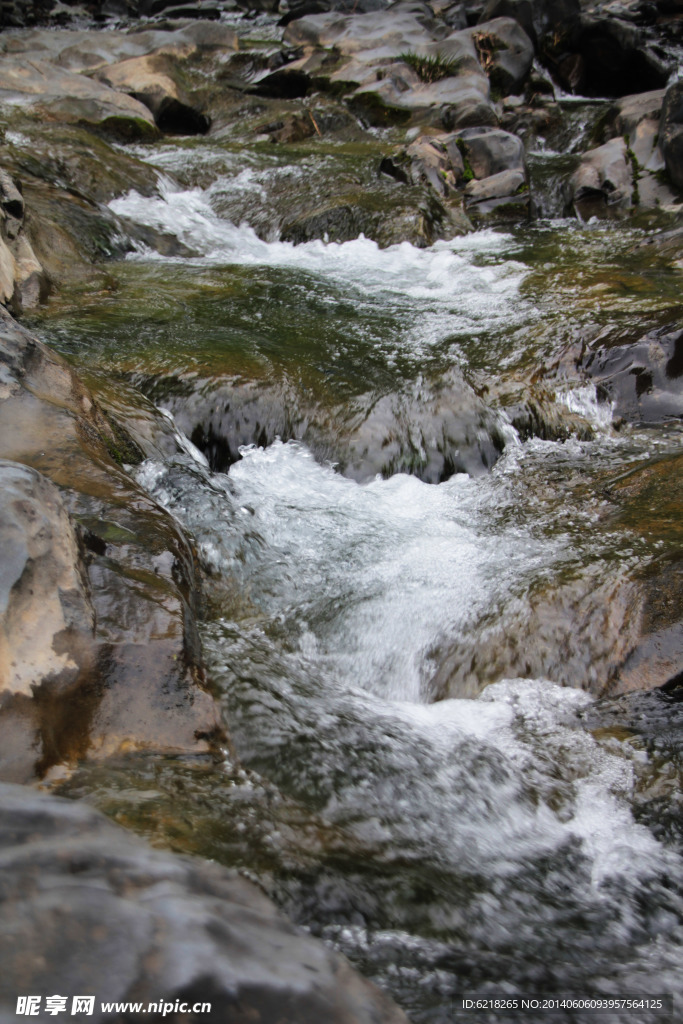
<point>671,132</point>
<point>505,52</point>
<point>46,618</point>
<point>8,273</point>
<point>136,681</point>
<point>89,908</point>
<point>151,80</point>
<point>450,103</point>
<point>603,180</point>
<point>632,110</point>
<point>614,57</point>
<point>643,380</point>
<point>65,96</point>
<point>538,18</point>
<point>433,429</point>
<point>489,151</point>
<point>379,35</point>
<point>496,186</point>
<point>88,49</point>
<point>430,160</point>
<point>23,282</point>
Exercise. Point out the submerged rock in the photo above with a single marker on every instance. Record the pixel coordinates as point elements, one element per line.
<point>141,925</point>
<point>642,380</point>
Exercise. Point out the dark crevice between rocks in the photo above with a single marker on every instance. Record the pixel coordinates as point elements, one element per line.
<point>177,118</point>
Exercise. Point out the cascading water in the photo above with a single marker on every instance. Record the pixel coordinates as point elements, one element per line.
<point>453,838</point>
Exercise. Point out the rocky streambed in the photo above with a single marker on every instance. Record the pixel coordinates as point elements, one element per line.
<point>340,448</point>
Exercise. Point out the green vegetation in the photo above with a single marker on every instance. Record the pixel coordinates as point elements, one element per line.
<point>468,174</point>
<point>431,69</point>
<point>635,168</point>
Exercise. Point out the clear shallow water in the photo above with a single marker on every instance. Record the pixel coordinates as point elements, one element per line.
<point>484,842</point>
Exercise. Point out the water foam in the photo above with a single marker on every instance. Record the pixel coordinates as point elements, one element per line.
<point>447,272</point>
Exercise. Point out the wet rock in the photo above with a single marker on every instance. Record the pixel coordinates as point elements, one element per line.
<point>152,81</point>
<point>671,132</point>
<point>379,34</point>
<point>139,681</point>
<point>401,98</point>
<point>643,380</point>
<point>434,429</point>
<point>133,914</point>
<point>603,180</point>
<point>23,281</point>
<point>87,49</point>
<point>577,634</point>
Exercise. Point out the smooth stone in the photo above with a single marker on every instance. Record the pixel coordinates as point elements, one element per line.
<point>87,907</point>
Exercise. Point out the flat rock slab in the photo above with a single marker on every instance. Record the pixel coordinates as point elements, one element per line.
<point>88,909</point>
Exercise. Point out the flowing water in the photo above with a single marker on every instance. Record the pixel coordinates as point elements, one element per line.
<point>408,645</point>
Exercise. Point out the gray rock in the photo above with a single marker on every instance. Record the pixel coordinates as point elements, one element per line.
<point>603,179</point>
<point>430,160</point>
<point>505,52</point>
<point>631,110</point>
<point>671,132</point>
<point>496,186</point>
<point>492,150</point>
<point>87,908</point>
<point>23,282</point>
<point>643,380</point>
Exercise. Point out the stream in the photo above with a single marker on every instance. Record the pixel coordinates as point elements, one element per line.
<point>416,587</point>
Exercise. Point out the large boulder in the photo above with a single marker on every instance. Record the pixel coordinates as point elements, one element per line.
<point>65,96</point>
<point>134,681</point>
<point>153,81</point>
<point>505,52</point>
<point>614,57</point>
<point>87,908</point>
<point>490,151</point>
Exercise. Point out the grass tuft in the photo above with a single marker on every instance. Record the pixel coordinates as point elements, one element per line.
<point>431,69</point>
